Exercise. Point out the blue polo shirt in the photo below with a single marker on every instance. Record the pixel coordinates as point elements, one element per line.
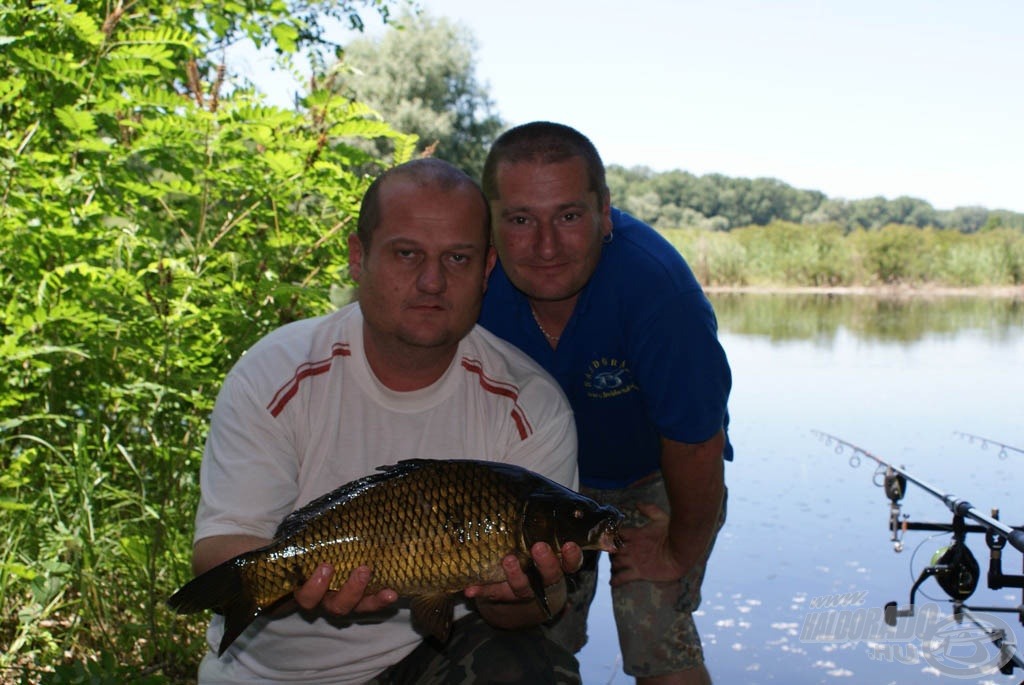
<point>638,359</point>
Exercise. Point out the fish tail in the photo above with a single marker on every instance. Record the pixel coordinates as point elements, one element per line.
<point>222,589</point>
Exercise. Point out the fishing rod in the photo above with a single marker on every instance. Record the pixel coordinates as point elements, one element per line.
<point>1004,449</point>
<point>895,482</point>
<point>954,568</point>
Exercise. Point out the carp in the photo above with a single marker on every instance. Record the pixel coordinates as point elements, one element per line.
<point>427,528</point>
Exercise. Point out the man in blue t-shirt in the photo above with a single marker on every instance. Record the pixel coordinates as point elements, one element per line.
<point>614,313</point>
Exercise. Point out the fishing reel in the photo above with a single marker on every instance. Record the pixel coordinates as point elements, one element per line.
<point>958,572</point>
<point>955,569</point>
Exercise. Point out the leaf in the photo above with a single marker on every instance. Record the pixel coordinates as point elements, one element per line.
<point>10,88</point>
<point>136,548</point>
<point>286,37</point>
<point>146,52</point>
<point>75,120</point>
<point>21,570</point>
<point>282,163</point>
<point>64,70</point>
<point>170,35</point>
<point>405,147</point>
<point>93,145</point>
<point>31,352</point>
<point>129,66</point>
<point>153,97</point>
<point>85,28</point>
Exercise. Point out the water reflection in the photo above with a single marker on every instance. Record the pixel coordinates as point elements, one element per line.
<point>902,319</point>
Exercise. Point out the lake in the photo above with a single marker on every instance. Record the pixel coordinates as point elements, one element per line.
<point>806,532</point>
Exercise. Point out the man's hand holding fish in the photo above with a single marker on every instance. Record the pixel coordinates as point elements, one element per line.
<point>513,604</point>
<point>350,598</point>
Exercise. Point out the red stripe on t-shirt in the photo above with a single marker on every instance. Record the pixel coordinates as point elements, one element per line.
<point>504,390</point>
<point>288,390</point>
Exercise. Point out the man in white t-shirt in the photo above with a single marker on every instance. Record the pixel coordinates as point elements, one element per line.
<point>402,373</point>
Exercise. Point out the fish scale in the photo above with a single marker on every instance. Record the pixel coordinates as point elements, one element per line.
<point>426,528</point>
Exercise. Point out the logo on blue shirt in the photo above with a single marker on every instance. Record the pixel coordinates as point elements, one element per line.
<point>606,378</point>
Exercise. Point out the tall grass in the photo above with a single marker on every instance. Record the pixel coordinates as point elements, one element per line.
<point>788,254</point>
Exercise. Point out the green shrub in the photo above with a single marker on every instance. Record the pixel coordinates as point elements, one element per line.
<point>155,220</point>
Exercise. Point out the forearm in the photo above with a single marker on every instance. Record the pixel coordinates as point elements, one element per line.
<point>694,476</point>
<point>215,550</point>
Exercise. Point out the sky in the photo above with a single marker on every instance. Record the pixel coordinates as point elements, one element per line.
<point>855,98</point>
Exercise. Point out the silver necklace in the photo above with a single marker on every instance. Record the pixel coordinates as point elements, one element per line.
<point>551,338</point>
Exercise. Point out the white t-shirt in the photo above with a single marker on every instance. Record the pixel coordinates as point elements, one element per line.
<point>301,413</point>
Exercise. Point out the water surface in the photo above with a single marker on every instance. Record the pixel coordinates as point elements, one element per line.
<point>898,378</point>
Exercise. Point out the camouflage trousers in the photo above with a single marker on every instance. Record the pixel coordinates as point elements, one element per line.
<point>479,653</point>
<point>657,633</point>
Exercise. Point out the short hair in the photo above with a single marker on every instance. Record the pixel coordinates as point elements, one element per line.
<point>543,142</point>
<point>425,171</point>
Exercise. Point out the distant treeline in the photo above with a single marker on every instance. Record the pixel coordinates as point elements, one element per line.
<point>679,199</point>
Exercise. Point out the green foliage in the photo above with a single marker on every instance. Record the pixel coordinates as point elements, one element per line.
<point>155,220</point>
<point>891,255</point>
<point>420,77</point>
<point>716,258</point>
<point>797,255</point>
<point>103,671</point>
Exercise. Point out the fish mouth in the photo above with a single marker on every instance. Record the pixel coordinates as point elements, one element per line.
<point>610,540</point>
<point>607,533</point>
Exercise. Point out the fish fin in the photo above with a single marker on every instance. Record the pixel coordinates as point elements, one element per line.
<point>221,589</point>
<point>537,585</point>
<point>210,590</point>
<point>237,617</point>
<point>433,614</point>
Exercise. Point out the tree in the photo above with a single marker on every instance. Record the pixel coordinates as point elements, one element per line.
<point>966,219</point>
<point>677,198</point>
<point>912,212</point>
<point>156,218</point>
<point>420,76</point>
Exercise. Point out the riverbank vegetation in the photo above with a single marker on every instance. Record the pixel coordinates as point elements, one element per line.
<point>157,217</point>
<point>786,254</point>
